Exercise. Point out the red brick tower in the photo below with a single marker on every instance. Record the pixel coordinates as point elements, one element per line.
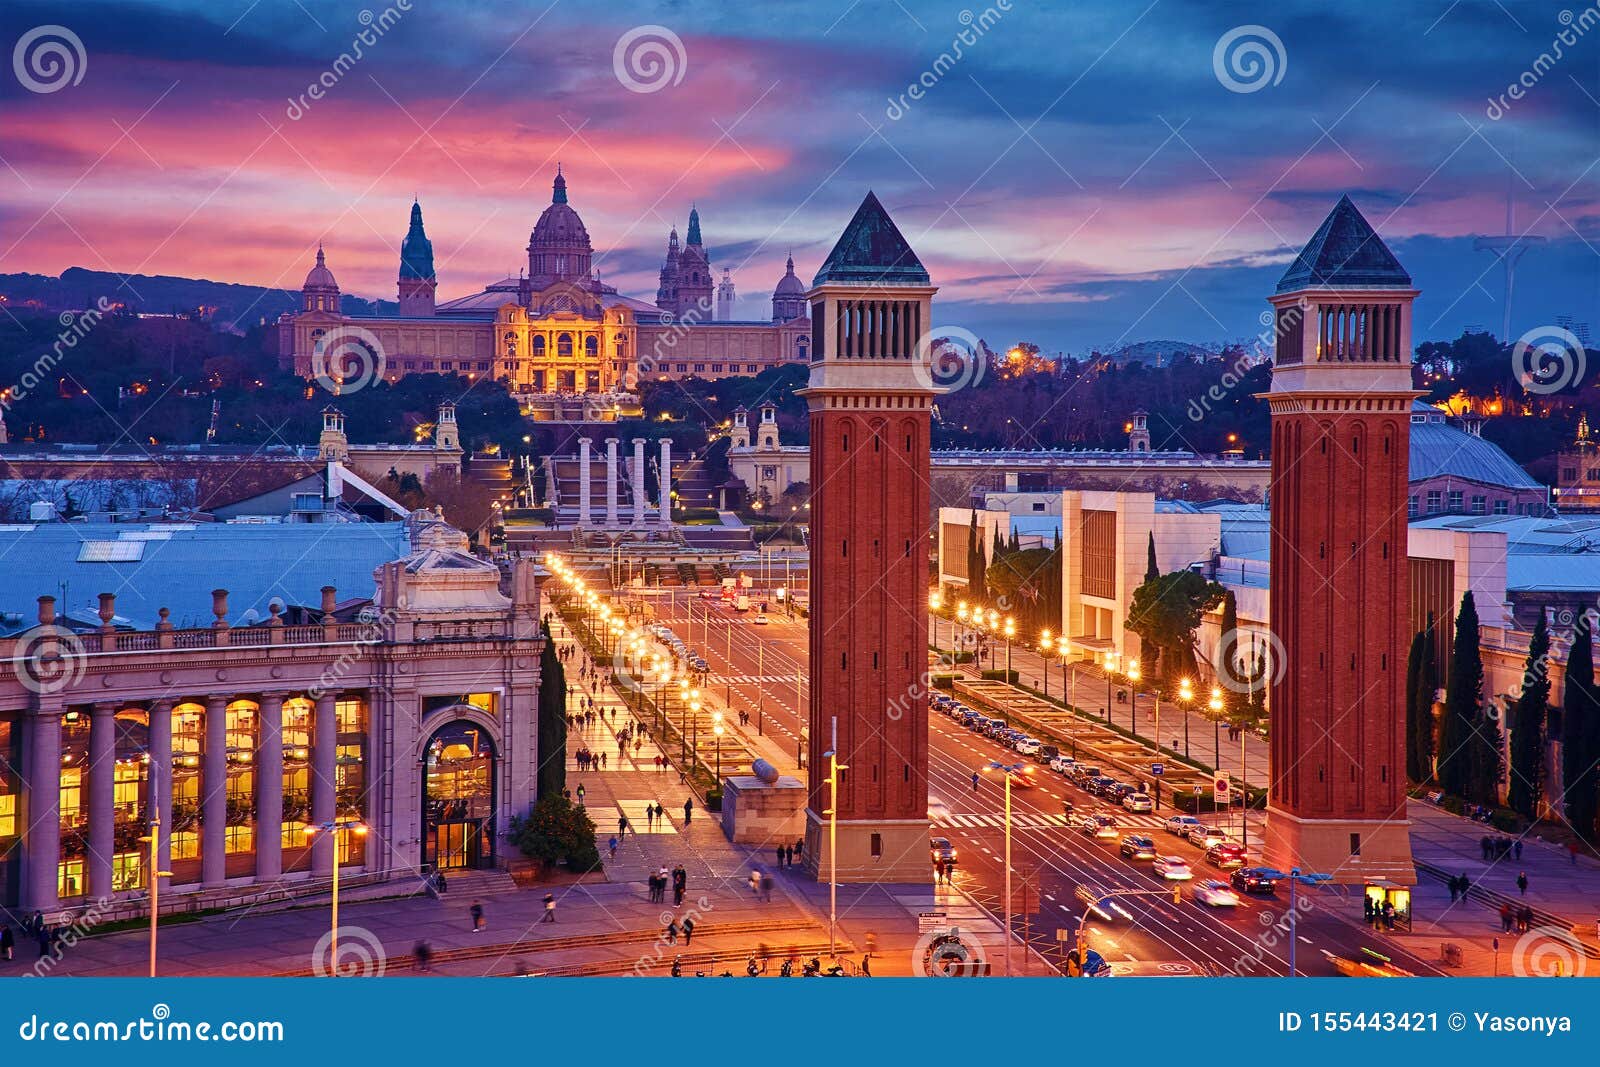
<point>870,396</point>
<point>1341,397</point>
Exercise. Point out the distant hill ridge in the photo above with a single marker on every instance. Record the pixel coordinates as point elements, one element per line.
<point>239,306</point>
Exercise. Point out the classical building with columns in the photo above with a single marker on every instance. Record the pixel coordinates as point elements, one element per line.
<point>571,347</point>
<point>263,714</point>
<point>611,492</point>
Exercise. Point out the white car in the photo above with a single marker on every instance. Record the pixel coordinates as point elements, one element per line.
<point>761,620</point>
<point>1139,803</point>
<point>1179,825</point>
<point>1027,746</point>
<point>1062,764</point>
<point>1205,836</point>
<point>1216,894</point>
<point>1173,868</point>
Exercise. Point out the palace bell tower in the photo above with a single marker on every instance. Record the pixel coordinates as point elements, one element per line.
<point>1341,420</point>
<point>870,396</point>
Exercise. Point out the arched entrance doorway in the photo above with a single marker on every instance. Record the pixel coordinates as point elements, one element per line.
<point>458,784</point>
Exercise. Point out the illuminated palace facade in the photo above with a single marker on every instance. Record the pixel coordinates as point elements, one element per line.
<point>556,331</point>
<point>390,733</point>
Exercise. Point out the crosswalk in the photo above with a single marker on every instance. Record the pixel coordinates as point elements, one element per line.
<point>750,679</point>
<point>1041,822</point>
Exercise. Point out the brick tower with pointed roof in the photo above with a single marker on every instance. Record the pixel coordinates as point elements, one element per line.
<point>870,395</point>
<point>1341,414</point>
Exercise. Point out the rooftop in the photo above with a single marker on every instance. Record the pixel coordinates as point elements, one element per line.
<point>1345,253</point>
<point>872,249</point>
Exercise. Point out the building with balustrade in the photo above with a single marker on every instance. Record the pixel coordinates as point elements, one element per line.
<point>569,346</point>
<point>248,685</point>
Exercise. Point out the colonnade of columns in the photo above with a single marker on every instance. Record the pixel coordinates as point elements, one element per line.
<point>635,476</point>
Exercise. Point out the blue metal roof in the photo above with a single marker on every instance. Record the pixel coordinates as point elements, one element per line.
<point>1439,450</point>
<point>177,566</point>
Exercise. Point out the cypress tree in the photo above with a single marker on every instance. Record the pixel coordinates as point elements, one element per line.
<point>1528,726</point>
<point>1458,741</point>
<point>552,726</point>
<point>1580,721</point>
<point>1228,665</point>
<point>1151,570</point>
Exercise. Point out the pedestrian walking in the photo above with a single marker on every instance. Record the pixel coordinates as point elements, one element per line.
<point>688,929</point>
<point>1505,917</point>
<point>549,908</point>
<point>622,826</point>
<point>672,932</point>
<point>688,811</point>
<point>439,882</point>
<point>581,794</point>
<point>602,761</point>
<point>766,888</point>
<point>423,954</point>
<point>799,847</point>
<point>788,855</point>
<point>42,934</point>
<point>1524,919</point>
<point>650,817</point>
<point>1522,882</point>
<point>612,845</point>
<point>779,851</point>
<point>1572,851</point>
<point>974,781</point>
<point>1516,849</point>
<point>8,943</point>
<point>477,916</point>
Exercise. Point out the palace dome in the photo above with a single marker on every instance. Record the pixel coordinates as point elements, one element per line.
<point>558,248</point>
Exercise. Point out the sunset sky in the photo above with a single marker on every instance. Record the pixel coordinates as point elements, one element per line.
<point>1080,176</point>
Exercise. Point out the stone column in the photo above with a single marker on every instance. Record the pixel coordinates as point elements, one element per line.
<point>583,482</point>
<point>666,481</point>
<point>269,788</point>
<point>160,783</point>
<point>611,483</point>
<point>102,798</point>
<point>324,782</point>
<point>44,809</point>
<point>214,802</point>
<point>640,499</point>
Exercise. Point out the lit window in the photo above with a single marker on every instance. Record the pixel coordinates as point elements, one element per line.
<point>126,871</point>
<point>8,815</point>
<point>240,839</point>
<point>185,845</point>
<point>69,879</point>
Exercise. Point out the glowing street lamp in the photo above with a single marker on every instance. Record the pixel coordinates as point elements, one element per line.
<point>1046,647</point>
<point>1215,706</point>
<point>359,828</point>
<point>1108,664</point>
<point>1185,698</point>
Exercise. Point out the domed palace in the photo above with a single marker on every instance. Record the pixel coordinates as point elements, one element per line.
<point>569,346</point>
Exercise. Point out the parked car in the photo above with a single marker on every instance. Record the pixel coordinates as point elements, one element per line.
<point>1062,764</point>
<point>1117,790</point>
<point>1205,836</point>
<point>1178,825</point>
<point>1173,868</point>
<point>1104,786</point>
<point>1216,894</point>
<point>1225,855</point>
<point>1027,746</point>
<point>1137,847</point>
<point>1139,803</point>
<point>1045,754</point>
<point>1256,880</point>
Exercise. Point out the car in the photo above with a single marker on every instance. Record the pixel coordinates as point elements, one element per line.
<point>1256,880</point>
<point>1173,868</point>
<point>1178,825</point>
<point>1137,847</point>
<point>1102,826</point>
<point>941,850</point>
<point>1225,855</point>
<point>707,594</point>
<point>1086,824</point>
<point>1104,786</point>
<point>1062,764</point>
<point>1027,746</point>
<point>1099,903</point>
<point>1045,754</point>
<point>1205,836</point>
<point>1216,894</point>
<point>1117,790</point>
<point>1022,778</point>
<point>1139,803</point>
<point>760,620</point>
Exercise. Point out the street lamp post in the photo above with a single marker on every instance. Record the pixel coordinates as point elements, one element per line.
<point>717,731</point>
<point>935,603</point>
<point>1214,705</point>
<point>1045,648</point>
<point>1010,631</point>
<point>1295,878</point>
<point>359,828</point>
<point>1069,690</point>
<point>1006,770</point>
<point>1133,675</point>
<point>1109,663</point>
<point>156,873</point>
<point>834,767</point>
<point>1185,698</point>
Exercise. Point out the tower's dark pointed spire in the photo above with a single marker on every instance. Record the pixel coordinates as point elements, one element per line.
<point>416,251</point>
<point>1347,253</point>
<point>693,239</point>
<point>560,195</point>
<point>872,249</point>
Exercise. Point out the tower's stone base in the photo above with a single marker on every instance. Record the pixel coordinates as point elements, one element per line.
<point>762,813</point>
<point>1323,846</point>
<point>902,850</point>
